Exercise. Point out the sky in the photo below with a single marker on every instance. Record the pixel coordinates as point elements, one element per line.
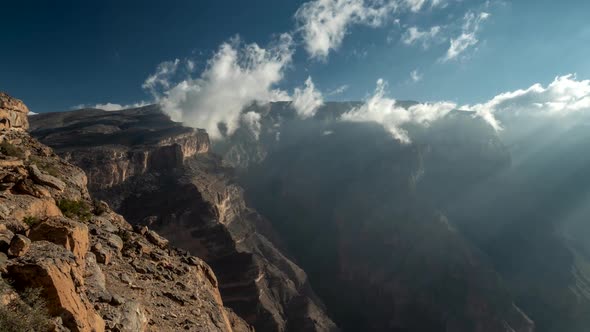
<point>59,55</point>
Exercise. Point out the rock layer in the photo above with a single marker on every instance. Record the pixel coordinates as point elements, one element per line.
<point>95,273</point>
<point>187,195</point>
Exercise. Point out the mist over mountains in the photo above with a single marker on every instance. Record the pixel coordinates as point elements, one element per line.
<point>462,228</point>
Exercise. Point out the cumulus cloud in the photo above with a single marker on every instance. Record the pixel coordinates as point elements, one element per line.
<point>237,75</point>
<point>468,36</point>
<point>111,106</point>
<point>307,100</point>
<point>565,95</point>
<point>414,35</point>
<point>416,76</point>
<point>386,112</point>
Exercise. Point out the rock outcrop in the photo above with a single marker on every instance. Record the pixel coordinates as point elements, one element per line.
<point>93,270</point>
<point>13,113</point>
<point>166,179</point>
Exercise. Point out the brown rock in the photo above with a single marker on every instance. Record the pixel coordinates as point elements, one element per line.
<point>46,179</point>
<point>65,232</point>
<point>19,246</point>
<point>156,239</point>
<point>13,113</point>
<point>52,268</point>
<point>5,237</point>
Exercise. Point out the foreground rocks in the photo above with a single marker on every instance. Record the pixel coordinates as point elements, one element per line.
<point>92,270</point>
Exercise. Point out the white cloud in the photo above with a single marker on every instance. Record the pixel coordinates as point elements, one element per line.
<point>414,35</point>
<point>468,36</point>
<point>161,78</point>
<point>415,5</point>
<point>252,120</point>
<point>324,23</point>
<point>306,101</point>
<point>416,76</point>
<point>111,106</point>
<point>339,90</point>
<point>564,96</point>
<point>385,111</point>
<point>235,77</point>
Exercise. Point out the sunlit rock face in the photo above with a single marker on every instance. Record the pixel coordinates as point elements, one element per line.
<point>13,113</point>
<point>92,269</point>
<point>157,173</point>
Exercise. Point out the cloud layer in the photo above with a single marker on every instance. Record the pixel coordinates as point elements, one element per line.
<point>564,96</point>
<point>385,111</point>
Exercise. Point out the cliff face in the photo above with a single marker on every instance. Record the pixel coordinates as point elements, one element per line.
<point>370,211</point>
<point>13,113</point>
<point>159,174</point>
<point>94,271</point>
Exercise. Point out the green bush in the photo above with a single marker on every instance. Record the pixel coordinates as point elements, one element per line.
<point>27,314</point>
<point>11,150</point>
<point>31,221</point>
<point>75,209</point>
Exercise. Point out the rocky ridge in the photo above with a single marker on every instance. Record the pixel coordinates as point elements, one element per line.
<point>94,271</point>
<point>177,187</point>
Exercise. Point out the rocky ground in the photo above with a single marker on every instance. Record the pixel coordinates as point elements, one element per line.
<point>92,269</point>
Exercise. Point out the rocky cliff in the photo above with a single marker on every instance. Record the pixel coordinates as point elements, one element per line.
<point>371,213</point>
<point>89,268</point>
<point>160,174</point>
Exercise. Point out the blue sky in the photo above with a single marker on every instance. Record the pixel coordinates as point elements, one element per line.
<point>56,55</point>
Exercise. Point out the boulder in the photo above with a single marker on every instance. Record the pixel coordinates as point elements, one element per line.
<point>156,239</point>
<point>19,246</point>
<point>55,271</point>
<point>46,179</point>
<point>70,234</point>
<point>13,113</point>
<point>132,318</point>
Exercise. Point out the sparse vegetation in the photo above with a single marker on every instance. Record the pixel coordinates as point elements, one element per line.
<point>75,209</point>
<point>25,314</point>
<point>45,166</point>
<point>31,221</point>
<point>11,150</point>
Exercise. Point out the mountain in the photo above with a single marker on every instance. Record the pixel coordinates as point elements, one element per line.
<point>514,204</point>
<point>69,263</point>
<point>162,175</point>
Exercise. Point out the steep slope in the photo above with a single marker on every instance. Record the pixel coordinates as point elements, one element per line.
<point>355,195</point>
<point>158,173</point>
<point>94,271</point>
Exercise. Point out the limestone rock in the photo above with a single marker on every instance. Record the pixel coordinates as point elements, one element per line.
<point>156,239</point>
<point>19,246</point>
<point>53,269</point>
<point>5,237</point>
<point>132,318</point>
<point>46,179</point>
<point>65,232</point>
<point>13,113</point>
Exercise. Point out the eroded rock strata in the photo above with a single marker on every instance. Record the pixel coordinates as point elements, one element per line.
<point>94,271</point>
<point>162,175</point>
